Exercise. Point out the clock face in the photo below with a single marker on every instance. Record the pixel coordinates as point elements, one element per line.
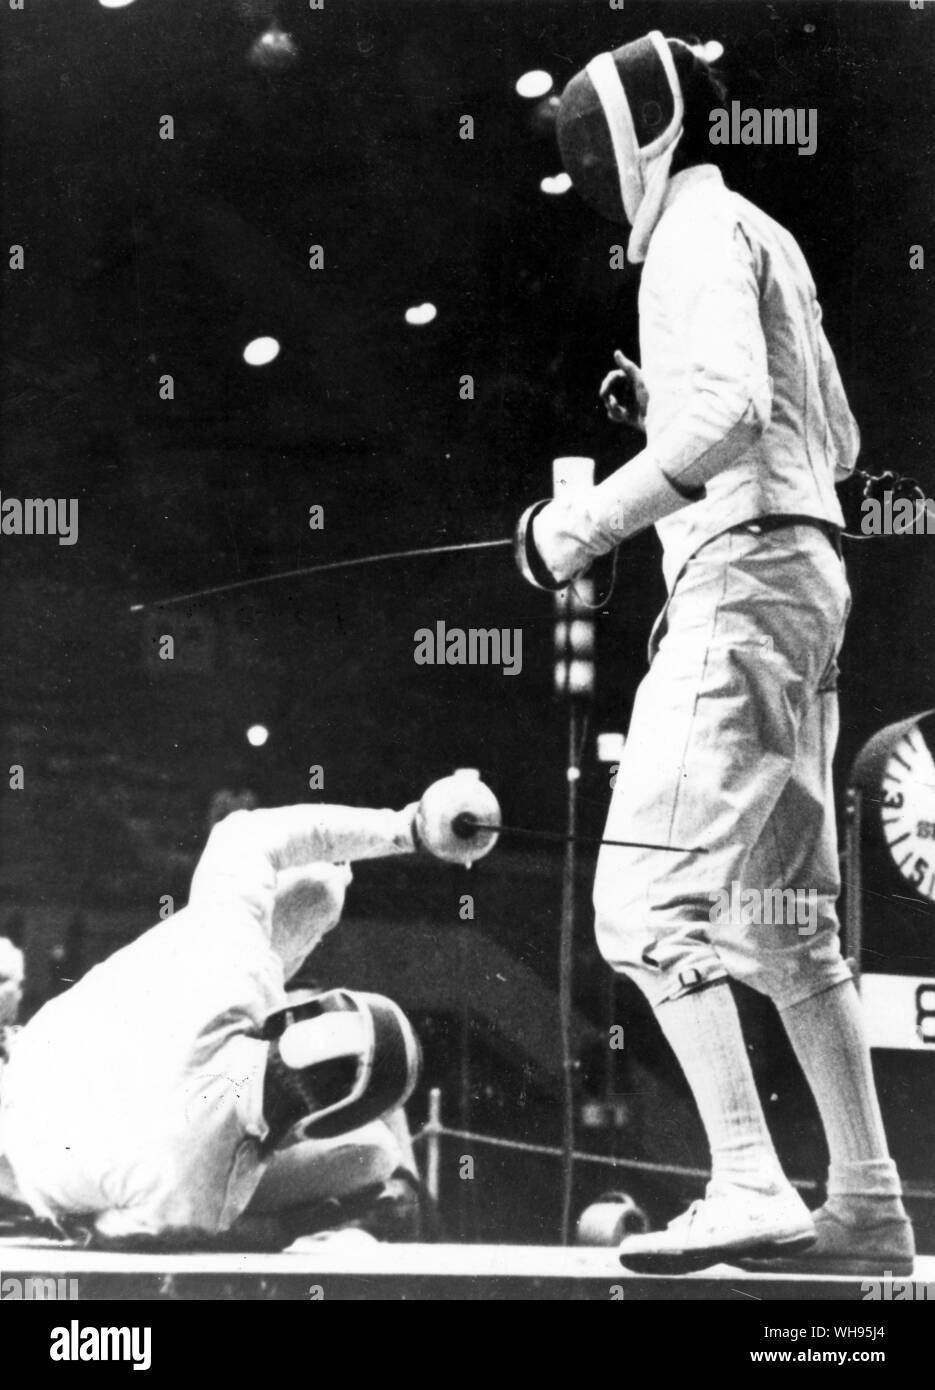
<point>891,915</point>
<point>908,811</point>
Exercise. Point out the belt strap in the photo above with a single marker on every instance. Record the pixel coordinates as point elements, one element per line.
<point>762,525</point>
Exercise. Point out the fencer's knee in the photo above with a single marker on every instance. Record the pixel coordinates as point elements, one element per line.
<point>665,958</point>
<point>371,1153</point>
<point>786,988</point>
<point>315,1170</point>
<point>690,982</point>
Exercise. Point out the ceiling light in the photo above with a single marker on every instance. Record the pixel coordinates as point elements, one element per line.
<point>534,84</point>
<point>260,352</point>
<point>559,184</point>
<point>421,314</point>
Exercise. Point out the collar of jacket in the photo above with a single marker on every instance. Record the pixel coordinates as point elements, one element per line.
<point>688,178</point>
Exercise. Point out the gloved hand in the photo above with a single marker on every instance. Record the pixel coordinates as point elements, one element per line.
<point>551,544</point>
<point>556,541</point>
<point>442,823</point>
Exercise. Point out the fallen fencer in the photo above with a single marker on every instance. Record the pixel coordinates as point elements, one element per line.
<point>178,1091</point>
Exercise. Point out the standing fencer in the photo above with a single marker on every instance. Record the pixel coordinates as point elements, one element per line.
<point>734,727</point>
<point>178,1086</point>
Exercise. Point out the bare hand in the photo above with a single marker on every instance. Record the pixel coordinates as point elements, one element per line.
<point>624,393</point>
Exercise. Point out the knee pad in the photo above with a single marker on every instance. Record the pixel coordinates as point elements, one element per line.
<point>337,1061</point>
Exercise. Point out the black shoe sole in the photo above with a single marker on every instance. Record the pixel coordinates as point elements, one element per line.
<point>692,1261</point>
<point>842,1265</point>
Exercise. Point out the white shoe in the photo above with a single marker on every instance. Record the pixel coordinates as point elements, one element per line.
<point>727,1223</point>
<point>346,1238</point>
<point>867,1247</point>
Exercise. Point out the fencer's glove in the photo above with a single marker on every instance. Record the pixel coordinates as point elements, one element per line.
<point>552,544</point>
<point>624,394</point>
<point>456,818</point>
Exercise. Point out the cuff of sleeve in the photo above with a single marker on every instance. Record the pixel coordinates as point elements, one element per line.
<point>406,838</point>
<point>637,496</point>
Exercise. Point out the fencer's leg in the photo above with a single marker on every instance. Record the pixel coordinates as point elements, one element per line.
<point>711,743</point>
<point>310,1171</point>
<point>799,965</point>
<point>829,1039</point>
<point>703,1030</point>
<point>711,749</point>
<point>750,1207</point>
<point>826,1027</point>
<point>863,1225</point>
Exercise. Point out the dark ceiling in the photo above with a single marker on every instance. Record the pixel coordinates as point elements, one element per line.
<point>146,257</point>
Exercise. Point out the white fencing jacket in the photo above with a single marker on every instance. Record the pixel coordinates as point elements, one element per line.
<point>747,416</point>
<point>745,397</point>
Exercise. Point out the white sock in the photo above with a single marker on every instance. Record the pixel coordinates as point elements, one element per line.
<point>828,1037</point>
<point>703,1030</point>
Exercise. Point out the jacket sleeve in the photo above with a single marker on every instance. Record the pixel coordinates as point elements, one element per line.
<point>711,290</point>
<point>845,434</point>
<point>248,849</point>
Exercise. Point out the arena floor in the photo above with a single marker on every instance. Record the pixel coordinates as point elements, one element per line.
<point>314,1270</point>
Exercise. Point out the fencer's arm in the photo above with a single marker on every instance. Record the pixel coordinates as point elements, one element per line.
<point>293,836</point>
<point>710,289</point>
<point>845,433</point>
<point>248,849</point>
